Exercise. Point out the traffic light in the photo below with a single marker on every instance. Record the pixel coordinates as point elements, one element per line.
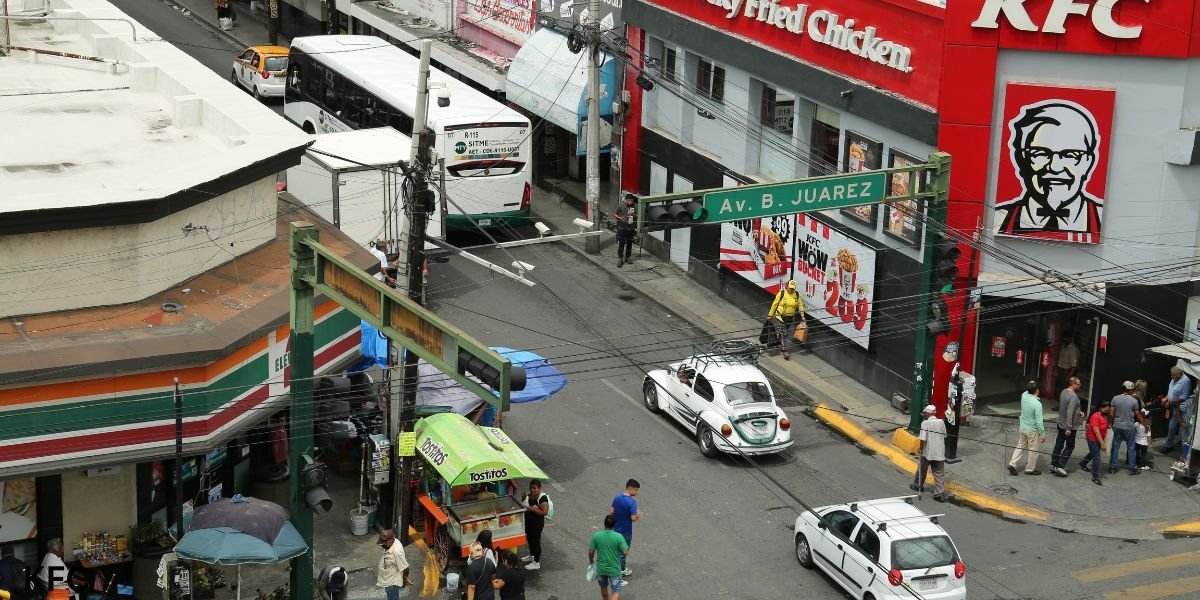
<point>939,316</point>
<point>313,476</point>
<point>945,263</point>
<point>489,375</point>
<point>945,272</point>
<point>676,214</point>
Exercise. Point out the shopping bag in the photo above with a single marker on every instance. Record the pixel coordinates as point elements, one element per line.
<point>590,574</point>
<point>801,334</point>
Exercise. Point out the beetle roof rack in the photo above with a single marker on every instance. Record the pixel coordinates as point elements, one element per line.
<point>728,352</point>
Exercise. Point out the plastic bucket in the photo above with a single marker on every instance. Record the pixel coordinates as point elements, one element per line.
<point>358,521</point>
<point>370,508</point>
<point>451,582</point>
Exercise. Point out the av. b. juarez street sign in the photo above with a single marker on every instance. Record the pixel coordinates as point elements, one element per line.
<point>817,193</point>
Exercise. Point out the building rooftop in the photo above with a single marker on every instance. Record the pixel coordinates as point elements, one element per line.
<point>138,120</point>
<point>219,310</point>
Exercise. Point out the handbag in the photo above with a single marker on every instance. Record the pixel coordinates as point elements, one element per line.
<point>764,336</point>
<point>801,333</point>
<point>590,573</point>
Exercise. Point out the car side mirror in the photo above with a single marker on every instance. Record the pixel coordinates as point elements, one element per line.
<point>821,525</point>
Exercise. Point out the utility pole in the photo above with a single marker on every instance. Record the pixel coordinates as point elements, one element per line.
<point>922,382</point>
<point>411,269</point>
<point>178,460</point>
<point>273,22</point>
<point>593,122</point>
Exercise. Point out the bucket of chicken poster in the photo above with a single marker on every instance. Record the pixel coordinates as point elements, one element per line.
<point>837,276</point>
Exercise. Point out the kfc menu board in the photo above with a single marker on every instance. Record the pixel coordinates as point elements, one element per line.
<point>862,154</point>
<point>902,219</point>
<point>834,273</point>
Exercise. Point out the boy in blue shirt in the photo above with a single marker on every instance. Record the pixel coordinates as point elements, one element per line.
<point>624,509</point>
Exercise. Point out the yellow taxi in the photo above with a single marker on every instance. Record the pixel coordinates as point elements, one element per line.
<point>262,70</point>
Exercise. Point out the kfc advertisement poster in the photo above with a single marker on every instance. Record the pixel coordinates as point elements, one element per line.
<point>1053,162</point>
<point>835,274</point>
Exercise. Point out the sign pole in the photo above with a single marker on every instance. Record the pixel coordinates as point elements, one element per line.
<point>303,306</point>
<point>935,210</point>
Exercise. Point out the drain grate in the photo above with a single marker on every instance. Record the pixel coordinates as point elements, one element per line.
<point>1004,490</point>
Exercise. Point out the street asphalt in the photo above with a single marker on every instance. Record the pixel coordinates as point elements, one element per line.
<point>711,528</point>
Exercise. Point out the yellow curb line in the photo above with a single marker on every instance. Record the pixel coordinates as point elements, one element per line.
<point>1185,529</point>
<point>902,460</point>
<point>431,578</point>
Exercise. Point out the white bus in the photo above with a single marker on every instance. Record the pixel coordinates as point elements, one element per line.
<point>343,82</point>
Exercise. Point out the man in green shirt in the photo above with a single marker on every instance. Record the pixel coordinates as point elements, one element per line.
<point>1033,431</point>
<point>605,550</point>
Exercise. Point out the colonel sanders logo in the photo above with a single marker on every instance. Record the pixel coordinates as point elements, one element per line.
<point>1056,149</point>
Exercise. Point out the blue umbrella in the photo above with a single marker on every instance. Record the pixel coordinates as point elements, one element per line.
<point>542,379</point>
<point>239,531</point>
<point>228,546</point>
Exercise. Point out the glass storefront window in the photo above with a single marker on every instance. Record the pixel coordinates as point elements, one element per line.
<point>1021,342</point>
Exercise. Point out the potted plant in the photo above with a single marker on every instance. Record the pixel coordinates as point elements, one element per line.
<point>202,584</point>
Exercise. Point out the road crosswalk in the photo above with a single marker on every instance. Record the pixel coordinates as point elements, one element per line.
<point>1171,576</point>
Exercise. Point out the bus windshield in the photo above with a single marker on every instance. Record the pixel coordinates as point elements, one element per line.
<point>485,149</point>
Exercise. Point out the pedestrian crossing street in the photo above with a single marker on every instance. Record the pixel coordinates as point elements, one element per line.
<point>1170,576</point>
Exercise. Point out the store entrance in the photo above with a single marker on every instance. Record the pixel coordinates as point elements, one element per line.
<point>1032,341</point>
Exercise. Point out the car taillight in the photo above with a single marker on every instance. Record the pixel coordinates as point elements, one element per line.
<point>895,577</point>
<point>959,569</point>
<point>726,430</point>
<point>785,424</point>
<point>526,196</point>
<point>266,74</point>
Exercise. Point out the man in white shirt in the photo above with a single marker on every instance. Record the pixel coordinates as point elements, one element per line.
<point>379,250</point>
<point>933,454</point>
<point>392,573</point>
<point>53,574</point>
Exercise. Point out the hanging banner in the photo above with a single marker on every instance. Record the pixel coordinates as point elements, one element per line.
<point>834,273</point>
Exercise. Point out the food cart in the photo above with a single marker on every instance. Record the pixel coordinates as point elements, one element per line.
<point>467,485</point>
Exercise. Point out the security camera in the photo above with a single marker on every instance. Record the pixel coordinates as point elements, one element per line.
<point>522,266</point>
<point>543,230</point>
<point>583,224</point>
<point>443,96</point>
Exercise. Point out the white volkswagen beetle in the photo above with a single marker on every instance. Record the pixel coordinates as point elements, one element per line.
<point>723,398</point>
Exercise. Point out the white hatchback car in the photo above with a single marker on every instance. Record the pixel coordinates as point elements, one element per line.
<point>722,397</point>
<point>883,549</point>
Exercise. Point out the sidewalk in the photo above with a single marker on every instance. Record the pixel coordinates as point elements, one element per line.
<point>250,27</point>
<point>1147,506</point>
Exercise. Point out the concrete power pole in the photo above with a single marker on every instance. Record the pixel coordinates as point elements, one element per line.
<point>593,122</point>
<point>410,269</point>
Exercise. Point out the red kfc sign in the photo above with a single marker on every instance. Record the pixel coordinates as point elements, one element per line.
<point>1053,162</point>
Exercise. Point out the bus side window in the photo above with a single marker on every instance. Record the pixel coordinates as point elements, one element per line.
<point>316,80</point>
<point>333,101</point>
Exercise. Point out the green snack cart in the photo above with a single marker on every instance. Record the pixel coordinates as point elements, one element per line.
<point>467,486</point>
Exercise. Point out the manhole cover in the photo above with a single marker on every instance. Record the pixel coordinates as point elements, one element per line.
<point>1004,490</point>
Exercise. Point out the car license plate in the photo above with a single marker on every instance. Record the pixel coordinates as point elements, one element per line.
<point>485,222</point>
<point>925,585</point>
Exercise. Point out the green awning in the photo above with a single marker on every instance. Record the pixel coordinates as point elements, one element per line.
<point>464,453</point>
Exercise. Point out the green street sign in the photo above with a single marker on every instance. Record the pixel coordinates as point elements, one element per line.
<point>815,194</point>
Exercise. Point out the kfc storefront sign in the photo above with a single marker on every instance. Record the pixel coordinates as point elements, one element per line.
<point>1055,21</point>
<point>823,27</point>
<point>895,45</point>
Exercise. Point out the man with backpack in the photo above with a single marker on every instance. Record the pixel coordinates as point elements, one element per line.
<point>13,574</point>
<point>537,509</point>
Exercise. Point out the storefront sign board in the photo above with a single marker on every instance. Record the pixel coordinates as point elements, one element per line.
<point>806,195</point>
<point>512,20</point>
<point>893,45</point>
<point>834,273</point>
<point>1053,167</point>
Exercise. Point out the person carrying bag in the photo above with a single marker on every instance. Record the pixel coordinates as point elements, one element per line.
<point>786,315</point>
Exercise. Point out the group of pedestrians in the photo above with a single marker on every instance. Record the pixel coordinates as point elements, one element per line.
<point>1127,416</point>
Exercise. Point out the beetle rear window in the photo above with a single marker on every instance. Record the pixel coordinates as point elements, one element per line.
<point>923,553</point>
<point>747,393</point>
